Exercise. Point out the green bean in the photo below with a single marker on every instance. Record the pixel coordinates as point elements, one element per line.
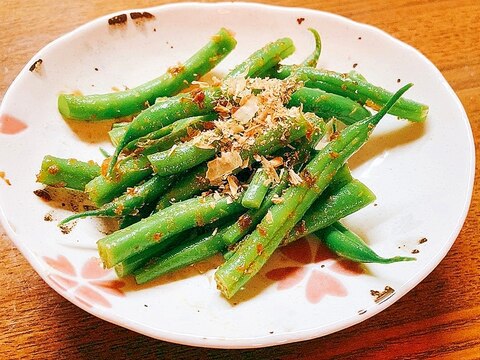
<point>178,130</point>
<point>259,246</point>
<point>69,173</point>
<point>328,105</point>
<point>356,89</point>
<point>128,102</point>
<point>130,202</point>
<point>332,205</point>
<point>264,58</point>
<point>256,191</point>
<point>158,227</point>
<point>349,245</point>
<point>312,59</point>
<point>129,172</point>
<point>165,112</point>
<point>135,168</point>
<point>148,257</point>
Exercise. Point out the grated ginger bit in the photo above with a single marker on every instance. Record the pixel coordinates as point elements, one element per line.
<point>294,178</point>
<point>223,165</point>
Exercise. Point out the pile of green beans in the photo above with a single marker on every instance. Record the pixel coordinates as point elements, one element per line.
<point>172,214</point>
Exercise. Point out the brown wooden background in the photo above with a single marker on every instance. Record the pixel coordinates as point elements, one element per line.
<point>439,319</point>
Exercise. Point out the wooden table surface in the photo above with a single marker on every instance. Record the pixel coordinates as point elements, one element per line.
<point>439,319</point>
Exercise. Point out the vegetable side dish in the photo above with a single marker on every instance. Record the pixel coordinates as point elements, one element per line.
<point>240,165</point>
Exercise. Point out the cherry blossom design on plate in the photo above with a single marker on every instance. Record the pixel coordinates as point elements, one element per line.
<point>313,264</point>
<point>90,285</point>
<point>11,125</point>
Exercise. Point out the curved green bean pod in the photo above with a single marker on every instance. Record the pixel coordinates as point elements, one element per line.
<point>128,102</point>
<point>264,58</point>
<point>312,59</point>
<point>349,245</point>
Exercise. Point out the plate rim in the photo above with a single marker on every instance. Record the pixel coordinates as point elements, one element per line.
<point>267,340</point>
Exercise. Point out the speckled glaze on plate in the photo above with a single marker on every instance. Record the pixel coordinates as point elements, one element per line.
<point>422,175</point>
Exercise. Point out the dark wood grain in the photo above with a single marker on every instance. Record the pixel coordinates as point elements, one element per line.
<point>439,319</point>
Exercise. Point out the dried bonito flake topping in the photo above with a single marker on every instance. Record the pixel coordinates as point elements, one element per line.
<point>223,165</point>
<point>249,107</point>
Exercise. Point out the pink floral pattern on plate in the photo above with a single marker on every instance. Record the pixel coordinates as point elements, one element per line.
<point>90,286</point>
<point>313,263</point>
<point>11,125</point>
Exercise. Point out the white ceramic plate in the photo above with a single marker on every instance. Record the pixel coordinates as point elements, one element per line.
<point>421,174</point>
